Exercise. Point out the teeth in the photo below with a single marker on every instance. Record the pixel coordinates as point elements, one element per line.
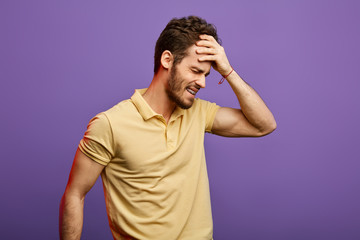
<point>191,91</point>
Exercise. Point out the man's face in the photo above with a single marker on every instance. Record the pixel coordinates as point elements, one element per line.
<point>186,79</point>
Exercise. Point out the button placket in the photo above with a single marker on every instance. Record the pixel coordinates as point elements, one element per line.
<point>170,138</point>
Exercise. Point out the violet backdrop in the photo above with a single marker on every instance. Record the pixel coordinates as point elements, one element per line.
<point>62,62</point>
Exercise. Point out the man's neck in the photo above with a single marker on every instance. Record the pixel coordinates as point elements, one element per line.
<point>158,99</point>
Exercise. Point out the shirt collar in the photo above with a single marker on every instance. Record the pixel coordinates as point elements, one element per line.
<point>146,111</point>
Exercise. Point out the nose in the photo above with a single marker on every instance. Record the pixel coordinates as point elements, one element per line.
<point>201,81</point>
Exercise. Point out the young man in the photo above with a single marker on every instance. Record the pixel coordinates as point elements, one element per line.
<point>149,149</point>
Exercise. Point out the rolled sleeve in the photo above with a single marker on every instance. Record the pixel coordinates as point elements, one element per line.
<point>97,142</point>
<point>211,110</point>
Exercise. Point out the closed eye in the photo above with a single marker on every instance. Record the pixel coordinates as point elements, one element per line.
<point>199,71</point>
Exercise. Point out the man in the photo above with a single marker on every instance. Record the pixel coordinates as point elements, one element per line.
<point>149,149</point>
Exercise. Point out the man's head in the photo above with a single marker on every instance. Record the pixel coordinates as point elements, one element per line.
<point>186,78</point>
<point>179,35</point>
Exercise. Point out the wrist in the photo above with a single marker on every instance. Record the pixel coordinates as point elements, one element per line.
<point>227,72</point>
<point>226,75</point>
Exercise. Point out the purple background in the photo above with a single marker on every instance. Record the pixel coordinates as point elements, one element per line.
<point>61,62</point>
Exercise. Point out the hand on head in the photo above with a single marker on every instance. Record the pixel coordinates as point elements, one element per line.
<point>214,52</point>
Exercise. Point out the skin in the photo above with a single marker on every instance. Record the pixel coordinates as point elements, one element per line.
<point>253,119</point>
<point>169,88</point>
<point>177,84</point>
<point>83,176</point>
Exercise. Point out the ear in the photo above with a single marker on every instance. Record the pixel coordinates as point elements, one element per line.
<point>167,59</point>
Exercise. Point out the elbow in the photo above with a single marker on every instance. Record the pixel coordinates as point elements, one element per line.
<point>273,126</point>
<point>269,128</point>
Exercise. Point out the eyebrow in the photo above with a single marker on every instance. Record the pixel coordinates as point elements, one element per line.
<point>201,71</point>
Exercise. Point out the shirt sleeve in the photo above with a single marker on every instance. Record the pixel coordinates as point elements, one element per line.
<point>97,142</point>
<point>211,110</point>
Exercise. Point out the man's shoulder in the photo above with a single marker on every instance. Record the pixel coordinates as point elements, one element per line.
<point>120,108</point>
<point>201,103</point>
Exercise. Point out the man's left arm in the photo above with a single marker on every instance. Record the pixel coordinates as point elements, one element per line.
<point>253,119</point>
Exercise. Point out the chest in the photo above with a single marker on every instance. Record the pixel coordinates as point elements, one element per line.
<point>152,145</point>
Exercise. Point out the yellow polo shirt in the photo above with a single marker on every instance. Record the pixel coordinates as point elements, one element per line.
<point>155,180</point>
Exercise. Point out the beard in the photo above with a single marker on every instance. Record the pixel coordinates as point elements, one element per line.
<point>176,89</point>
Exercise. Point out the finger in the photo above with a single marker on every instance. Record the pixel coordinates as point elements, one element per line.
<point>206,43</point>
<point>207,58</point>
<point>206,50</point>
<point>207,37</point>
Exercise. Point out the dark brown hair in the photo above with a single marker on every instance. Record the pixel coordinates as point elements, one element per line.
<point>179,35</point>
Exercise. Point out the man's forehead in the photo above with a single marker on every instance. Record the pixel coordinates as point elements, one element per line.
<point>192,51</point>
<point>192,54</point>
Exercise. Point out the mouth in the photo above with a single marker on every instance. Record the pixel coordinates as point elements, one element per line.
<point>192,90</point>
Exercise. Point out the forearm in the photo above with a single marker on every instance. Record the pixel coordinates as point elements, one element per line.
<point>259,120</point>
<point>71,217</point>
<point>251,104</point>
